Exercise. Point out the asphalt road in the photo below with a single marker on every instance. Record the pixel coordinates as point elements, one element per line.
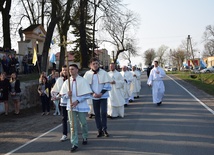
<point>180,126</point>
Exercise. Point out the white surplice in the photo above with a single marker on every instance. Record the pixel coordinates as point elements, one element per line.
<point>136,84</point>
<point>116,99</point>
<point>156,81</point>
<point>128,77</point>
<point>81,91</point>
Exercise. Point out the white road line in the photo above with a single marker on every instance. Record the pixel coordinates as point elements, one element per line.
<point>31,141</point>
<point>209,109</point>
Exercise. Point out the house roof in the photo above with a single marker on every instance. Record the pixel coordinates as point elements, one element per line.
<point>31,27</point>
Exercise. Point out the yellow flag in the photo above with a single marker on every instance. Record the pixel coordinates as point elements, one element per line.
<point>34,56</point>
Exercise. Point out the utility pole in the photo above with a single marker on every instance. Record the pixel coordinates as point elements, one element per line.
<point>190,50</point>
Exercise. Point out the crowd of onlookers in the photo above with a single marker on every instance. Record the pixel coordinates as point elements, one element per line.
<point>9,64</point>
<point>10,87</point>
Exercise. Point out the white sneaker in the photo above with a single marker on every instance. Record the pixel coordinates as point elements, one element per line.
<point>54,114</point>
<point>64,138</point>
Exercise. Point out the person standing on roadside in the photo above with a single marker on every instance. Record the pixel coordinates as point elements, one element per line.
<point>4,91</point>
<point>63,102</point>
<point>99,81</point>
<point>156,81</point>
<point>15,91</point>
<point>43,90</point>
<point>77,107</point>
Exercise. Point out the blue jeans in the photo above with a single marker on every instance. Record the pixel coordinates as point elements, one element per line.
<point>100,111</point>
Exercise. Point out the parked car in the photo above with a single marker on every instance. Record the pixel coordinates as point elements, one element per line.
<point>197,69</point>
<point>208,70</point>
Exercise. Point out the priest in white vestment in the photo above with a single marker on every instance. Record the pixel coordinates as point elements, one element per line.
<point>77,107</point>
<point>127,76</point>
<point>116,99</point>
<point>135,85</point>
<point>155,80</point>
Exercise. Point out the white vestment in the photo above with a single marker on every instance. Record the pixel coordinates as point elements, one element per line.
<point>56,89</point>
<point>81,91</point>
<point>135,85</point>
<point>128,79</point>
<point>97,82</point>
<point>156,81</point>
<point>116,99</point>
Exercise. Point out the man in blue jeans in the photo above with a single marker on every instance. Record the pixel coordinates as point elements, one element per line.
<point>99,81</point>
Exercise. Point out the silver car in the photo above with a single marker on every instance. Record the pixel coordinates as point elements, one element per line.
<point>208,70</point>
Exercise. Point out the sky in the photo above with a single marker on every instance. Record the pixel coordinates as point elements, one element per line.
<point>168,22</point>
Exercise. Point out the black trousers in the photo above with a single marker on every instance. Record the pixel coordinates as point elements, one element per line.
<point>64,120</point>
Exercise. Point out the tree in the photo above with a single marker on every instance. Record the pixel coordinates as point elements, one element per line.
<point>160,55</point>
<point>55,18</point>
<point>126,55</point>
<point>119,30</point>
<point>5,6</point>
<point>63,26</point>
<point>208,38</point>
<point>149,56</point>
<point>76,32</point>
<point>178,57</point>
<point>209,49</point>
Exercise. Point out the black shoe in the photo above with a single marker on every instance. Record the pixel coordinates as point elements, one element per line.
<point>130,101</point>
<point>90,115</point>
<point>135,97</point>
<point>99,134</point>
<point>138,97</point>
<point>105,133</point>
<point>125,105</point>
<point>74,148</point>
<point>158,104</point>
<point>84,142</point>
<point>108,116</point>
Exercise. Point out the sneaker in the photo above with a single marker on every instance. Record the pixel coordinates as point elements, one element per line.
<point>43,114</point>
<point>54,114</point>
<point>64,138</point>
<point>47,113</point>
<point>105,133</point>
<point>58,114</point>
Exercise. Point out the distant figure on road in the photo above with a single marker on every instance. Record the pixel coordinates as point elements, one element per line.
<point>155,80</point>
<point>149,69</point>
<point>77,107</point>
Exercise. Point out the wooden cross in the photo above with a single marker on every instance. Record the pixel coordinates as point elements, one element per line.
<point>64,44</point>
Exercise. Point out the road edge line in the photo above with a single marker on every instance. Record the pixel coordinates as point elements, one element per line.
<point>204,105</point>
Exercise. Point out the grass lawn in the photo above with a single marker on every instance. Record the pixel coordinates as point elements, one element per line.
<point>204,81</point>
